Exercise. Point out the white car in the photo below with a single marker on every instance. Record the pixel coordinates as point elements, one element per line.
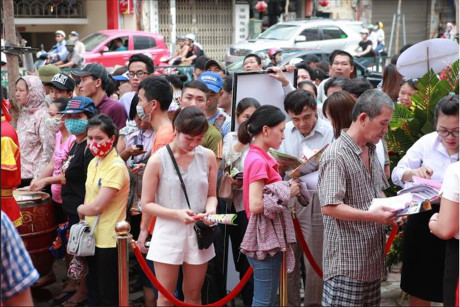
<point>324,35</point>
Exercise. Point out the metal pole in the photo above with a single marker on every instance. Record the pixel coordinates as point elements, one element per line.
<point>123,237</point>
<point>398,24</point>
<point>283,282</point>
<point>404,28</point>
<point>391,36</point>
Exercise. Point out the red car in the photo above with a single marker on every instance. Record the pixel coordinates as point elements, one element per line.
<point>114,47</point>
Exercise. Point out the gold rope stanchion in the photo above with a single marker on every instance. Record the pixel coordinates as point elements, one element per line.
<point>283,282</point>
<point>123,236</point>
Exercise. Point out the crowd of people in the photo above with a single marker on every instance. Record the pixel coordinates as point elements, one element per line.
<point>154,150</point>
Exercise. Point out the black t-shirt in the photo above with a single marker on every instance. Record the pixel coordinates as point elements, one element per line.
<point>364,45</point>
<point>195,50</point>
<point>73,191</point>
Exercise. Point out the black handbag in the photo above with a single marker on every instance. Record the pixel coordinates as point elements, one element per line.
<point>205,234</point>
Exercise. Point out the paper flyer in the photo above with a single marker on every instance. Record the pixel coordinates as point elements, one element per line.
<point>227,219</point>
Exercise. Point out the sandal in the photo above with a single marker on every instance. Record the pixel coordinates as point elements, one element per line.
<point>61,299</point>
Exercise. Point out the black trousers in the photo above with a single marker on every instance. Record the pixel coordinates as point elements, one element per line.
<point>240,260</point>
<point>102,278</point>
<point>451,272</point>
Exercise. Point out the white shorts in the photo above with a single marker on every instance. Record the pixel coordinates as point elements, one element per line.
<point>174,242</point>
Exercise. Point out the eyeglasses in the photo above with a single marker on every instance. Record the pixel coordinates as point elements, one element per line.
<point>139,74</point>
<point>445,133</point>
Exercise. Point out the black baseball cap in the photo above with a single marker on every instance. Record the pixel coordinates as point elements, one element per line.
<point>211,63</point>
<point>93,69</point>
<point>63,82</point>
<point>311,58</point>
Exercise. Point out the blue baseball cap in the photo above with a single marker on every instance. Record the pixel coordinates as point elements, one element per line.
<point>123,77</point>
<point>79,104</point>
<point>212,80</point>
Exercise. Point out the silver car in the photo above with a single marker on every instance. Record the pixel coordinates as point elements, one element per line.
<point>323,35</point>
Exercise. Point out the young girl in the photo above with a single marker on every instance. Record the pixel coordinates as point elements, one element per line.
<point>265,128</point>
<point>407,89</point>
<point>107,189</point>
<point>174,241</point>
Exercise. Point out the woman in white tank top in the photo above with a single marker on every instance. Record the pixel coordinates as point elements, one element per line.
<point>174,241</point>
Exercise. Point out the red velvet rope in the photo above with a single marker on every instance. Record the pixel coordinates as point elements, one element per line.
<point>309,256</point>
<point>223,301</point>
<point>391,238</point>
<point>306,250</point>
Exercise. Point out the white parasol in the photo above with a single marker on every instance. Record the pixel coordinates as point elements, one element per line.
<point>435,54</point>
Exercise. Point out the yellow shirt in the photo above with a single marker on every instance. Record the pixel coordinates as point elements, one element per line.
<point>111,173</point>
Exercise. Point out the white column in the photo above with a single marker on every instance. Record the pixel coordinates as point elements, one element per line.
<point>172,36</point>
<point>240,20</point>
<point>154,16</point>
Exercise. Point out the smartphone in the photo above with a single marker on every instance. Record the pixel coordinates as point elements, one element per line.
<point>140,146</point>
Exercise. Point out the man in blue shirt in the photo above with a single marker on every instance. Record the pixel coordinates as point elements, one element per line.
<point>59,51</point>
<point>18,272</point>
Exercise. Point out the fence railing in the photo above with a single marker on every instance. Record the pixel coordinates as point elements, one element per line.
<point>49,9</point>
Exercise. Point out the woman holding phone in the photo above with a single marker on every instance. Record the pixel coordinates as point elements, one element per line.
<point>174,241</point>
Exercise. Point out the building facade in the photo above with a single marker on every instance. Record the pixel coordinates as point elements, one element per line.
<point>219,23</point>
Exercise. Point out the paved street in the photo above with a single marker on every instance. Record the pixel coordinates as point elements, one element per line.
<point>391,293</point>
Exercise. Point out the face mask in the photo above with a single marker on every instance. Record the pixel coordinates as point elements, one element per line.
<point>140,112</point>
<point>100,150</point>
<point>54,123</point>
<point>76,126</point>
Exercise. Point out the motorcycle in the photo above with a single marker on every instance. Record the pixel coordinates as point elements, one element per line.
<point>43,57</point>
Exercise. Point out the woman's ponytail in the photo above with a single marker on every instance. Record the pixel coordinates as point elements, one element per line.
<point>243,134</point>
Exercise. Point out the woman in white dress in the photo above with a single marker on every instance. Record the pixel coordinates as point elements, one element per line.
<point>174,241</point>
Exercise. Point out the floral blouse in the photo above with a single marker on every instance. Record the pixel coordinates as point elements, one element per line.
<point>36,138</point>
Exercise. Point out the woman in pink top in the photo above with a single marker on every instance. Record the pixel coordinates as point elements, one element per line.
<point>51,175</point>
<point>265,128</point>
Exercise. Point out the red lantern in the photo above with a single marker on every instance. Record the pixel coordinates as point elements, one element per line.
<point>261,6</point>
<point>323,3</point>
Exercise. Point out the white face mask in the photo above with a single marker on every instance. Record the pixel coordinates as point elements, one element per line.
<point>141,113</point>
<point>176,97</point>
<point>54,123</point>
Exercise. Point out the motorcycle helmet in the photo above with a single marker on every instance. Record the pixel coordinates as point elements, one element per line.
<point>60,32</point>
<point>191,37</point>
<point>273,51</point>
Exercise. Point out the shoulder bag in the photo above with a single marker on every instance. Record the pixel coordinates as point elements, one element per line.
<point>204,234</point>
<point>81,239</point>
